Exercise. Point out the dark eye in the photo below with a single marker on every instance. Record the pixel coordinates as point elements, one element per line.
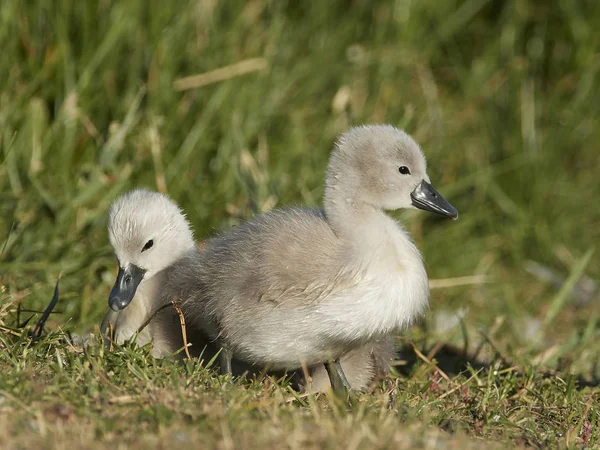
<point>404,170</point>
<point>148,245</point>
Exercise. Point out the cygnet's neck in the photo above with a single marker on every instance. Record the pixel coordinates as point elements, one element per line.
<point>149,290</point>
<point>143,305</point>
<point>368,230</point>
<point>392,267</point>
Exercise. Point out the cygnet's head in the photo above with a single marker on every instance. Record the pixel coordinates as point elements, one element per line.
<point>382,166</point>
<point>148,233</point>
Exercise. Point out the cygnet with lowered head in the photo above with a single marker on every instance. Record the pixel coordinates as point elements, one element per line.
<point>148,233</point>
<point>302,286</point>
<point>150,237</point>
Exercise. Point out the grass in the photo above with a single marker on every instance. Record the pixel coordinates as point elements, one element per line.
<point>502,96</point>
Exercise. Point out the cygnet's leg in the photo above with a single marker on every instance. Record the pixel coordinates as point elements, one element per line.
<point>361,366</point>
<point>225,357</point>
<point>337,377</point>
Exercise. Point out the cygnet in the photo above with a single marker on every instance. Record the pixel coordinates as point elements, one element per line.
<point>306,286</point>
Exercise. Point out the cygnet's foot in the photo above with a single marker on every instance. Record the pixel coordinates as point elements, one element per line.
<point>337,377</point>
<point>225,361</point>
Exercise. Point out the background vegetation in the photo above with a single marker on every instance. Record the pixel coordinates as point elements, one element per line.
<point>504,99</point>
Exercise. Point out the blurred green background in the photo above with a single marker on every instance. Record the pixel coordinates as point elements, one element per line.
<point>502,96</point>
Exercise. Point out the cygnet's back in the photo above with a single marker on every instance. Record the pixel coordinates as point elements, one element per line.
<point>286,254</point>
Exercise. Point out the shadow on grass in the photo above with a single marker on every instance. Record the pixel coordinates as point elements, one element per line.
<point>453,361</point>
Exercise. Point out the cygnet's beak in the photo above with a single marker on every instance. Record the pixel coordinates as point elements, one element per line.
<point>124,289</point>
<point>109,320</point>
<point>427,198</point>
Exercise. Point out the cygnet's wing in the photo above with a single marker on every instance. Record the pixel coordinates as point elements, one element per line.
<point>288,256</point>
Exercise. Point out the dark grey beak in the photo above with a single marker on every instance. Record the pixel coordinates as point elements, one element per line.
<point>124,289</point>
<point>427,198</point>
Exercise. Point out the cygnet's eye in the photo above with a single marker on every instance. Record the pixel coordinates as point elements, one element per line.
<point>404,170</point>
<point>148,245</point>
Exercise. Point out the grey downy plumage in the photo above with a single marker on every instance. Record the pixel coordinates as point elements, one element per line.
<point>304,286</point>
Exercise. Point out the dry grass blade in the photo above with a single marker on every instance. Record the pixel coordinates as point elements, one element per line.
<point>458,281</point>
<point>297,397</point>
<point>5,309</point>
<point>123,399</point>
<point>460,386</point>
<point>9,331</point>
<point>222,74</point>
<point>430,362</point>
<point>183,329</point>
